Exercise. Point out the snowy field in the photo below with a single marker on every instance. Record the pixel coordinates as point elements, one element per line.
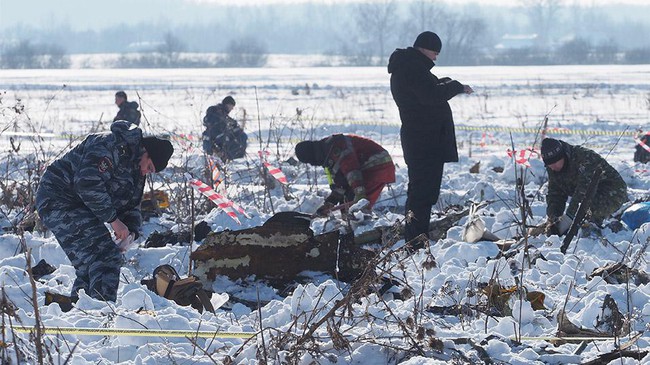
<point>42,112</point>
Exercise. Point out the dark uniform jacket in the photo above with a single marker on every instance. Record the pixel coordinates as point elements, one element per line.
<point>355,162</point>
<point>222,134</point>
<point>102,175</point>
<point>217,121</point>
<point>573,180</point>
<point>129,112</point>
<point>427,121</point>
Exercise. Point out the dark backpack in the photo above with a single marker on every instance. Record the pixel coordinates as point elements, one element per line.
<point>189,291</point>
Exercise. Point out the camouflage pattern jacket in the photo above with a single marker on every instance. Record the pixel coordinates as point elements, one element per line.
<point>102,175</point>
<point>575,177</point>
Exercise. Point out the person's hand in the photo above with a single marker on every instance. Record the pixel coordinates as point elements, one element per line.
<point>324,210</point>
<point>558,226</point>
<point>467,89</point>
<point>120,229</point>
<point>125,243</point>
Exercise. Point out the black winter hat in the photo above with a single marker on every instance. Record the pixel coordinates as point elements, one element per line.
<point>428,40</point>
<point>552,151</point>
<point>159,150</point>
<point>306,152</point>
<point>121,94</point>
<point>228,100</point>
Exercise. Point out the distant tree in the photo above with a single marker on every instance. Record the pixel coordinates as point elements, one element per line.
<point>21,55</point>
<point>376,23</point>
<point>638,56</point>
<point>462,35</point>
<point>543,14</point>
<point>355,55</point>
<point>26,55</point>
<point>605,53</point>
<point>245,52</point>
<point>54,56</point>
<point>574,52</point>
<point>422,15</point>
<point>170,49</point>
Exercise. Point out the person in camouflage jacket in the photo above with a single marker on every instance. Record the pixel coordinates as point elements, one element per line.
<point>357,168</point>
<point>570,169</point>
<point>128,109</point>
<point>99,181</point>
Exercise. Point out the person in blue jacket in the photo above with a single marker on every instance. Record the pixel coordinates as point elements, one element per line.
<point>99,181</point>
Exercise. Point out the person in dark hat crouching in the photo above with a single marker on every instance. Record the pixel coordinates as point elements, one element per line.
<point>99,181</point>
<point>570,169</point>
<point>356,167</point>
<point>223,136</point>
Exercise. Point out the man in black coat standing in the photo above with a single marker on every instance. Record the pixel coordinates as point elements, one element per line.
<point>427,133</point>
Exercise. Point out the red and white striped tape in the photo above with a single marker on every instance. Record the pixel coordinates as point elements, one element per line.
<point>642,144</point>
<point>484,139</point>
<point>221,201</point>
<point>274,171</point>
<point>217,176</point>
<point>523,157</point>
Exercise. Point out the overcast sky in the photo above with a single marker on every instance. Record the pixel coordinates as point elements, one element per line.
<point>492,2</point>
<point>85,14</point>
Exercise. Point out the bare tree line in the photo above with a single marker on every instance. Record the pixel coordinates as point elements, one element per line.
<point>361,33</point>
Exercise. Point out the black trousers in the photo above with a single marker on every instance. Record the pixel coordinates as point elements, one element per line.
<point>425,178</point>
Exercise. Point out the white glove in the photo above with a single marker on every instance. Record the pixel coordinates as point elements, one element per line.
<point>126,243</point>
<point>563,224</point>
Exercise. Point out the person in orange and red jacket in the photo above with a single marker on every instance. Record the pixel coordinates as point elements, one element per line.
<point>357,168</point>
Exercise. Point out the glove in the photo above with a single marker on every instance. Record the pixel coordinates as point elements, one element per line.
<point>324,210</point>
<point>125,243</point>
<point>559,226</point>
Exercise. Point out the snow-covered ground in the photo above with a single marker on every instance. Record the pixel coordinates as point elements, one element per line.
<point>597,106</point>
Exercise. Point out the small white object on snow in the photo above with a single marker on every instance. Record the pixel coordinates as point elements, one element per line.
<point>125,243</point>
<point>475,230</point>
<point>361,204</point>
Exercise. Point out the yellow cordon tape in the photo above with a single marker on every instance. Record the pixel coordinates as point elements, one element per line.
<point>548,131</point>
<point>133,332</point>
<point>498,129</point>
<point>556,131</point>
<point>565,338</point>
<point>209,334</point>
